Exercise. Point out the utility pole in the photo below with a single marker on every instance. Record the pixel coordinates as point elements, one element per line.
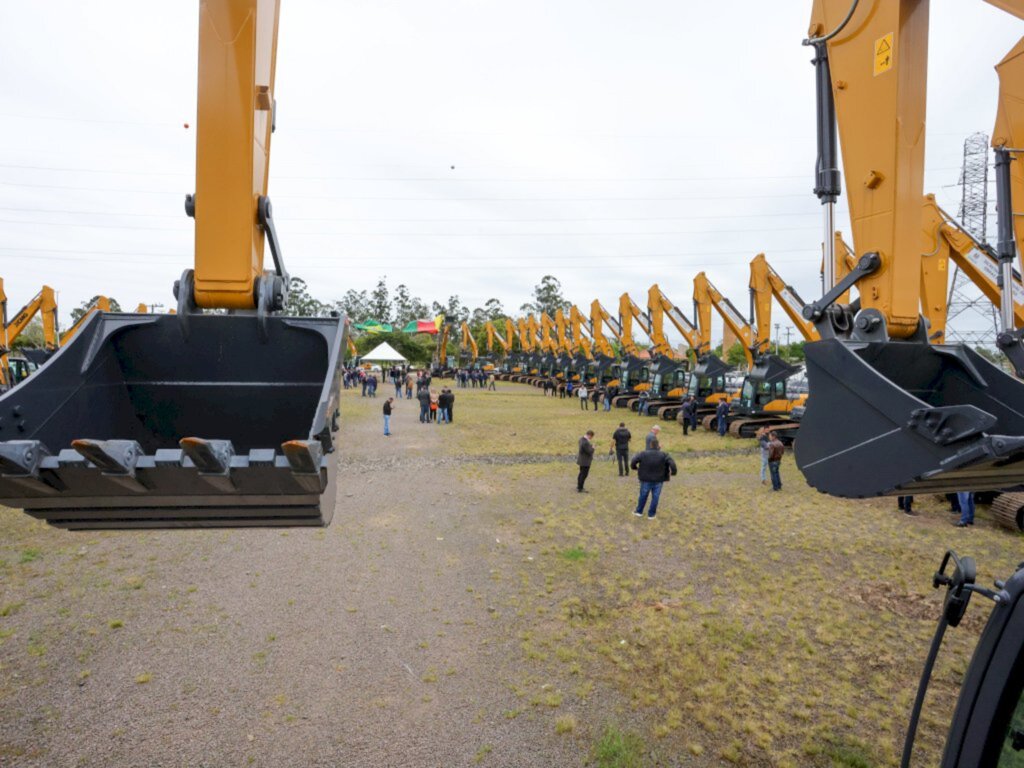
<point>777,326</point>
<point>789,330</point>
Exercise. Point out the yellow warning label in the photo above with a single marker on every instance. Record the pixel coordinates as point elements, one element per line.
<point>883,54</point>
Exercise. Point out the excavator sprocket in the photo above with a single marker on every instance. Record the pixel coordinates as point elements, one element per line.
<point>896,418</point>
<point>146,421</point>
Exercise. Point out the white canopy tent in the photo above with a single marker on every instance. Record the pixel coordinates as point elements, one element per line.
<point>383,353</point>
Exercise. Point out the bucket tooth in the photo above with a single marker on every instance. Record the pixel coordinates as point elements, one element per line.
<point>21,457</point>
<point>209,456</point>
<point>305,459</point>
<point>116,459</point>
<point>112,456</point>
<point>303,455</point>
<point>213,460</point>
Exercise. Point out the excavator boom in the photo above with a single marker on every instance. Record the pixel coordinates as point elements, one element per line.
<point>709,295</point>
<point>102,304</point>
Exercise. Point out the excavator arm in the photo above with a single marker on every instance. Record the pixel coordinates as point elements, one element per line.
<point>468,342</point>
<point>628,312</point>
<point>706,295</point>
<point>547,341</point>
<point>764,284</point>
<point>43,303</point>
<point>235,119</point>
<point>102,304</point>
<point>598,317</point>
<point>945,240</point>
<point>659,307</point>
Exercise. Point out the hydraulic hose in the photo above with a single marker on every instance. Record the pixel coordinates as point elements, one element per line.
<point>837,30</point>
<point>922,688</point>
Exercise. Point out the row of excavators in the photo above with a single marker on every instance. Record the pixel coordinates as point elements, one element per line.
<point>225,413</point>
<point>16,367</point>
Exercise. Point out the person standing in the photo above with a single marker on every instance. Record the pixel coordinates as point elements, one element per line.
<point>584,458</point>
<point>722,417</point>
<point>490,383</point>
<point>645,398</point>
<point>620,441</point>
<point>387,416</point>
<point>966,499</point>
<point>653,469</point>
<point>652,437</point>
<point>906,505</point>
<point>595,398</point>
<point>693,413</point>
<point>762,443</point>
<point>424,397</point>
<point>581,393</point>
<point>396,378</point>
<point>775,451</point>
<point>451,405</point>
<point>433,404</point>
<point>687,413</point>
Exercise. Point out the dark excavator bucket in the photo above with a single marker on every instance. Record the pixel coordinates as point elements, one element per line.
<point>136,425</point>
<point>888,418</point>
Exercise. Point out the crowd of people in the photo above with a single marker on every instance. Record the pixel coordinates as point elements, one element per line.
<point>475,378</point>
<point>653,466</point>
<point>436,404</point>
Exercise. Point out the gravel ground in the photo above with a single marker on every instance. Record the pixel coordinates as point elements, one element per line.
<point>366,644</point>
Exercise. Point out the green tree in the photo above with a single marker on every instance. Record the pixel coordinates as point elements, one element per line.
<point>547,297</point>
<point>794,351</point>
<point>300,303</point>
<point>355,305</point>
<point>408,307</point>
<point>32,336</point>
<point>494,310</point>
<point>454,311</point>
<point>81,309</point>
<point>380,302</point>
<point>735,355</point>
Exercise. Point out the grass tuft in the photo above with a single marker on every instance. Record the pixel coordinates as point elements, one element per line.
<point>618,749</point>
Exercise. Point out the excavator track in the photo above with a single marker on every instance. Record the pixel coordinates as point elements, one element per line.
<point>1008,511</point>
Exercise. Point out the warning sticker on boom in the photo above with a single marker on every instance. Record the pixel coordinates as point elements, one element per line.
<point>883,54</point>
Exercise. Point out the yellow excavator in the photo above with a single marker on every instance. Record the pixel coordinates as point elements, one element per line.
<point>890,411</point>
<point>439,364</point>
<point>16,369</point>
<point>581,347</point>
<point>198,418</point>
<point>671,375</point>
<point>635,371</point>
<point>101,304</point>
<point>707,298</point>
<point>765,399</point>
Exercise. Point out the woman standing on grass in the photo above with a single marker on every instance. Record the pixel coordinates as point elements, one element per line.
<point>582,394</point>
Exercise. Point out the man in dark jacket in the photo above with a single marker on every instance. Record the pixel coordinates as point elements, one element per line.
<point>688,413</point>
<point>584,458</point>
<point>775,451</point>
<point>424,397</point>
<point>443,403</point>
<point>653,468</point>
<point>620,439</point>
<point>722,416</point>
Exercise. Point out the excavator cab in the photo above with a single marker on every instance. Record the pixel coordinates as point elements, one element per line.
<point>225,413</point>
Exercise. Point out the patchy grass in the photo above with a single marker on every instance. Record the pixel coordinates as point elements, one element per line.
<point>743,626</point>
<point>574,554</point>
<point>618,749</point>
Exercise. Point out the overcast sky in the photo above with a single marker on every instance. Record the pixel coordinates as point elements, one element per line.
<point>458,146</point>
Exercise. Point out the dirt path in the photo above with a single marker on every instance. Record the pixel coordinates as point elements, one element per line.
<point>369,644</point>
